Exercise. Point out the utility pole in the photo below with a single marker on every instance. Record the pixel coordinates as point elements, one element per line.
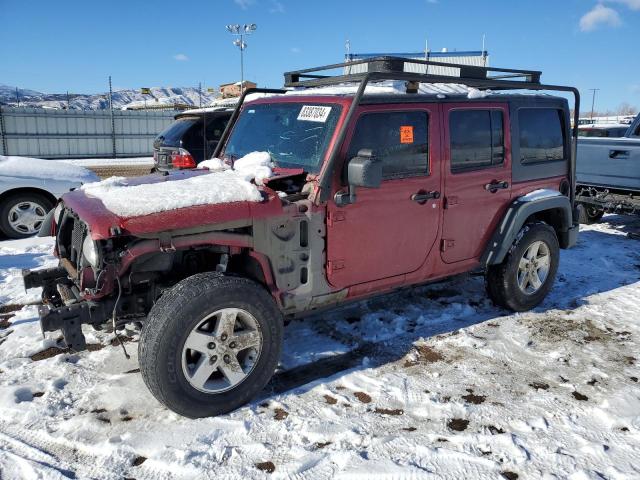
<point>200,92</point>
<point>17,97</point>
<point>67,99</point>
<point>113,123</point>
<point>241,31</point>
<point>593,100</point>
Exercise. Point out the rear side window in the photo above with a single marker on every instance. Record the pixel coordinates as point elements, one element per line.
<point>172,135</point>
<point>476,139</point>
<point>215,127</point>
<point>399,139</point>
<point>541,135</point>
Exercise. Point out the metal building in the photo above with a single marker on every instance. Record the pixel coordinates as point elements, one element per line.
<point>479,58</point>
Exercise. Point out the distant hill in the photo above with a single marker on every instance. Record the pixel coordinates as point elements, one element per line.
<point>121,98</point>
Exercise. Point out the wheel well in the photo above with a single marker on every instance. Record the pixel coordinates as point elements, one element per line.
<point>554,217</point>
<point>246,266</point>
<point>17,191</point>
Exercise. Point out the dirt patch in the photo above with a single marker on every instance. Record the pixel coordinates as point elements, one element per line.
<point>352,320</point>
<point>458,424</point>
<point>409,429</point>
<point>116,343</point>
<point>268,467</point>
<point>472,398</point>
<point>579,396</point>
<point>340,387</point>
<point>99,410</point>
<point>53,351</point>
<point>5,323</point>
<point>320,445</point>
<point>37,394</point>
<point>135,370</point>
<point>592,382</point>
<point>558,328</point>
<point>280,414</point>
<point>633,379</point>
<point>363,397</point>
<point>495,430</point>
<point>139,460</point>
<point>120,170</point>
<point>103,419</point>
<point>509,475</point>
<point>424,354</point>
<point>330,400</point>
<point>630,360</point>
<point>389,411</point>
<point>539,386</point>
<point>10,307</point>
<point>126,418</point>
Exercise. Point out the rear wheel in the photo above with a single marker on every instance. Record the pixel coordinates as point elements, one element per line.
<point>523,279</point>
<point>588,214</point>
<point>22,214</point>
<point>210,344</point>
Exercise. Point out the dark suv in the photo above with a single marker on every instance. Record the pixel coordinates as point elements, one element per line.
<point>192,138</point>
<point>367,193</point>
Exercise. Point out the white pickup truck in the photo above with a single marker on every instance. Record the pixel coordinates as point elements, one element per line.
<point>608,175</point>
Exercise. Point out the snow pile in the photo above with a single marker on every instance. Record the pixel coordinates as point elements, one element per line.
<point>223,186</point>
<point>44,169</point>
<point>253,166</point>
<point>475,93</point>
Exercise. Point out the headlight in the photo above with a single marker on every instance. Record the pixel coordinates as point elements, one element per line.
<point>90,251</point>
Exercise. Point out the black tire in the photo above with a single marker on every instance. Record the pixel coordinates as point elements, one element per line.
<point>501,280</point>
<point>172,319</point>
<point>588,214</point>
<point>16,199</point>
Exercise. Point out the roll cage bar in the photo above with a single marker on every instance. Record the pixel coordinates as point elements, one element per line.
<point>393,68</point>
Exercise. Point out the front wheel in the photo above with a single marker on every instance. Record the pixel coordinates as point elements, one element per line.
<point>22,214</point>
<point>210,344</point>
<point>523,279</point>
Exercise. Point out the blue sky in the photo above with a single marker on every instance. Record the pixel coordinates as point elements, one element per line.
<point>74,45</point>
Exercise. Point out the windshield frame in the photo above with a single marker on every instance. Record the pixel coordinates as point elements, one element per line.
<point>342,102</point>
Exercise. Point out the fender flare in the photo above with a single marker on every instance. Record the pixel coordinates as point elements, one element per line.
<point>517,214</point>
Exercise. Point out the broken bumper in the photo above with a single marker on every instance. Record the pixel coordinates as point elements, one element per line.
<point>67,318</point>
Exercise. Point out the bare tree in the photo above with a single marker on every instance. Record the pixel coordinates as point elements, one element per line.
<point>625,108</point>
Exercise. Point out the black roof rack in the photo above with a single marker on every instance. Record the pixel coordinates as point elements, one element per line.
<point>467,74</point>
<point>395,68</point>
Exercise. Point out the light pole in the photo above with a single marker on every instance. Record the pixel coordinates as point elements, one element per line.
<point>240,31</point>
<point>593,100</point>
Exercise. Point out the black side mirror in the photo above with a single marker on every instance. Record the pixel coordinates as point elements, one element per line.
<point>365,171</point>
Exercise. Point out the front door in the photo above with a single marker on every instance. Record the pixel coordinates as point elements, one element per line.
<point>389,230</point>
<point>477,176</point>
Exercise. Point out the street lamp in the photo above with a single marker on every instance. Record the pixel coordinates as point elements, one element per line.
<point>240,31</point>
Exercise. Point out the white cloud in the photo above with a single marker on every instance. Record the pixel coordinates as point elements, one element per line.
<point>632,4</point>
<point>244,4</point>
<point>599,15</point>
<point>181,57</point>
<point>295,50</point>
<point>276,7</point>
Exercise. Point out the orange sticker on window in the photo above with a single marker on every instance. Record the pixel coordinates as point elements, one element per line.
<point>406,134</point>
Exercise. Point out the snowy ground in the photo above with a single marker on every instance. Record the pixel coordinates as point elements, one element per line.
<point>429,383</point>
<point>106,162</point>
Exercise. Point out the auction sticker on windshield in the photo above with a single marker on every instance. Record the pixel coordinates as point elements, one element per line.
<point>314,113</point>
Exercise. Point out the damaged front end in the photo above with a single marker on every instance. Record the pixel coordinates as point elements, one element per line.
<point>84,288</point>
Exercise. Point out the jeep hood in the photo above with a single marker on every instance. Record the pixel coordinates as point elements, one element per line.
<point>104,222</point>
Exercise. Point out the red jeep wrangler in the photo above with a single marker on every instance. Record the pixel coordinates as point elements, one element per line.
<point>369,193</point>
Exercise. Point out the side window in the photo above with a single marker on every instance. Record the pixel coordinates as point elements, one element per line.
<point>541,135</point>
<point>399,139</point>
<point>215,127</point>
<point>476,138</point>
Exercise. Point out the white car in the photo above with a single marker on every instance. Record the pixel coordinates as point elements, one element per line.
<point>30,187</point>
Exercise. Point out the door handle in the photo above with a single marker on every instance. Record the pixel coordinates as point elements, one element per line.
<point>618,153</point>
<point>495,185</point>
<point>423,197</point>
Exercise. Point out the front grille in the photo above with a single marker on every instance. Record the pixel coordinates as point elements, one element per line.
<point>71,235</point>
<point>77,237</point>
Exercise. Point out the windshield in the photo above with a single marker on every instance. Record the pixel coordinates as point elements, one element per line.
<point>296,135</point>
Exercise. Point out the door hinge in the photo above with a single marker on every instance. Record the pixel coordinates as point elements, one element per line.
<point>335,265</point>
<point>337,216</point>
<point>446,244</point>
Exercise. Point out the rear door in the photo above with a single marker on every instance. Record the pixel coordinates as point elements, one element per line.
<point>477,176</point>
<point>389,230</point>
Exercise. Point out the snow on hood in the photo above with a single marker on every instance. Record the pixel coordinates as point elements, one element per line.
<point>222,185</point>
<point>44,169</point>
